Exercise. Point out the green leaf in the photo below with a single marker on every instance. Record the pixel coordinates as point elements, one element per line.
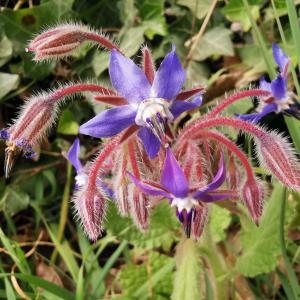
<point>13,201</point>
<point>136,280</point>
<point>219,222</point>
<point>6,50</point>
<point>186,284</point>
<point>197,7</point>
<point>8,83</point>
<point>132,39</point>
<point>50,287</point>
<point>215,41</point>
<point>235,11</point>
<point>67,123</point>
<point>261,245</point>
<point>162,230</point>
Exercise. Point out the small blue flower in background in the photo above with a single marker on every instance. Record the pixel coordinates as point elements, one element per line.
<point>175,187</point>
<point>81,177</point>
<point>150,106</point>
<point>280,99</point>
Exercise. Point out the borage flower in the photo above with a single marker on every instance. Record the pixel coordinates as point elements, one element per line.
<point>280,98</point>
<point>81,177</point>
<point>191,205</point>
<point>147,106</point>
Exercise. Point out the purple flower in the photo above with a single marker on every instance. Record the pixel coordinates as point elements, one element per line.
<point>280,99</point>
<point>174,186</point>
<point>82,177</point>
<point>150,106</point>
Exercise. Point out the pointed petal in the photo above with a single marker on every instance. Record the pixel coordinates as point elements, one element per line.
<point>278,87</point>
<point>216,182</point>
<point>128,79</point>
<point>150,142</point>
<point>73,155</point>
<point>169,78</point>
<point>257,116</point>
<point>215,196</point>
<point>264,85</point>
<point>109,122</point>
<point>150,188</point>
<point>173,178</point>
<point>281,58</point>
<point>178,107</point>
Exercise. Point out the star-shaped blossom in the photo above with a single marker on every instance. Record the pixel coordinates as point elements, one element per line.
<point>150,105</point>
<point>280,98</point>
<point>175,187</point>
<point>81,177</point>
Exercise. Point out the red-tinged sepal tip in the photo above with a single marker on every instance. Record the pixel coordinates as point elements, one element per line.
<point>278,157</point>
<point>253,194</point>
<point>200,217</point>
<point>90,209</point>
<point>139,208</point>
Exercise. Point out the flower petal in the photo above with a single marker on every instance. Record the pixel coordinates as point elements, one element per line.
<point>178,107</point>
<point>109,122</point>
<point>128,79</point>
<point>257,116</point>
<point>264,85</point>
<point>173,178</point>
<point>149,188</point>
<point>73,155</point>
<point>169,78</point>
<point>150,142</point>
<point>216,182</point>
<point>281,58</point>
<point>215,196</point>
<point>278,87</point>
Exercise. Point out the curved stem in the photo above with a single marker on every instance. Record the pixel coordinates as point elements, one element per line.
<point>235,97</point>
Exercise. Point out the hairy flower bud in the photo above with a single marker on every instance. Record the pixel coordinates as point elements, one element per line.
<point>64,39</point>
<point>139,208</point>
<point>277,156</point>
<point>253,194</point>
<point>200,214</point>
<point>90,208</point>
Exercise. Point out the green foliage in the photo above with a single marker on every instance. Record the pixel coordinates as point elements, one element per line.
<point>186,284</point>
<point>162,231</point>
<point>219,222</point>
<point>261,245</point>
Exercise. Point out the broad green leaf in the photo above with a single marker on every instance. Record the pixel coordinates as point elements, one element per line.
<point>8,83</point>
<point>67,123</point>
<point>100,62</point>
<point>235,11</point>
<point>215,41</point>
<point>134,277</point>
<point>261,245</point>
<point>197,7</point>
<point>13,200</point>
<point>163,229</point>
<point>197,74</point>
<point>6,50</point>
<point>219,221</point>
<point>186,284</point>
<point>132,39</point>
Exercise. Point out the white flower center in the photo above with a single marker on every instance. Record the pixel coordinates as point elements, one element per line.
<point>282,104</point>
<point>81,179</point>
<point>154,113</point>
<point>187,204</point>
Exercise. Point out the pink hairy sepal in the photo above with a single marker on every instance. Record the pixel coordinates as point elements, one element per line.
<point>199,219</point>
<point>253,194</point>
<point>90,208</point>
<point>277,156</point>
<point>139,208</point>
<point>63,40</point>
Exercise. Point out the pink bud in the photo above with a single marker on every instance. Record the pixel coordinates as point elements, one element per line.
<point>200,215</point>
<point>139,208</point>
<point>277,156</point>
<point>63,40</point>
<point>252,194</point>
<point>90,207</point>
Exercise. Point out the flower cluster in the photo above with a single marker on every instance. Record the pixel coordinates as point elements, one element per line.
<point>147,160</point>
